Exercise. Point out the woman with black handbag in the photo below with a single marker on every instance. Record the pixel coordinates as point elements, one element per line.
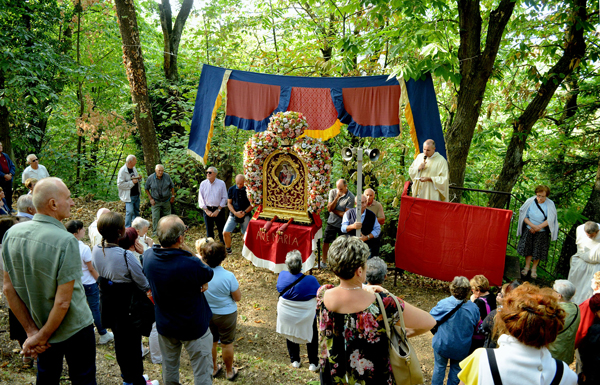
<point>122,292</point>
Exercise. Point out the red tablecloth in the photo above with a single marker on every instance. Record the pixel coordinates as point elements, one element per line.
<point>442,240</point>
<point>269,250</point>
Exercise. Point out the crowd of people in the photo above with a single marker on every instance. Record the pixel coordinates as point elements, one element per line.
<point>59,289</point>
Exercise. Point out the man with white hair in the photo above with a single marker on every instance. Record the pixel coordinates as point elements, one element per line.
<point>563,348</point>
<point>42,283</point>
<point>34,170</point>
<point>129,189</point>
<point>375,206</point>
<point>429,173</point>
<point>161,193</point>
<point>25,207</point>
<point>93,233</point>
<point>586,261</point>
<point>212,199</point>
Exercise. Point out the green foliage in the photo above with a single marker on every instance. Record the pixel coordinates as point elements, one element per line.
<point>85,143</point>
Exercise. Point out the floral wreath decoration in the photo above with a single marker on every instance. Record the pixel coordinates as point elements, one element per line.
<point>283,128</point>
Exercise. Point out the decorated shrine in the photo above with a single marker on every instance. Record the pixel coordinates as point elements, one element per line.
<point>287,178</point>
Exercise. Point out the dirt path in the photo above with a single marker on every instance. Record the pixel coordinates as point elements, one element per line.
<point>260,352</point>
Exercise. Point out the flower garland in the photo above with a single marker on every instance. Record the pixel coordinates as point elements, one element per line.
<point>284,126</point>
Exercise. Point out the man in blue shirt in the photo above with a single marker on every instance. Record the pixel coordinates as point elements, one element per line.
<point>240,210</point>
<point>176,278</point>
<point>369,226</point>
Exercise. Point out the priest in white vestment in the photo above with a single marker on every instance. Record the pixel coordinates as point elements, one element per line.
<point>429,173</point>
<point>586,261</point>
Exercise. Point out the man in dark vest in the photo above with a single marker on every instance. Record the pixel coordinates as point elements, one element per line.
<point>369,226</point>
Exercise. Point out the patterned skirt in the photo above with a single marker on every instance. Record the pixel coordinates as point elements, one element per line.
<point>535,245</point>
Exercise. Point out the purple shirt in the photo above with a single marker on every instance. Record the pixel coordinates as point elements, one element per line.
<point>212,194</point>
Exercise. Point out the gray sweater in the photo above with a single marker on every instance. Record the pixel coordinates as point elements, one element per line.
<point>110,264</point>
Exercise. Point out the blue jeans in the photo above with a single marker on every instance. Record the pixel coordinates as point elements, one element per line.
<point>80,352</point>
<point>231,224</point>
<point>132,210</point>
<point>439,370</point>
<point>92,293</point>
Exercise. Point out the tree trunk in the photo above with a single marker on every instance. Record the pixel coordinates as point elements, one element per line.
<point>522,127</point>
<point>136,74</point>
<point>475,69</point>
<point>172,36</point>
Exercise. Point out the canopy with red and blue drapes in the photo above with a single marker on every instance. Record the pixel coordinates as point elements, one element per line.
<point>369,105</point>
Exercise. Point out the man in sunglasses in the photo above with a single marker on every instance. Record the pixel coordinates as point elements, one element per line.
<point>34,170</point>
<point>212,199</point>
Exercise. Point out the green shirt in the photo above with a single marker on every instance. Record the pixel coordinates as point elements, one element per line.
<point>39,255</point>
<point>563,348</point>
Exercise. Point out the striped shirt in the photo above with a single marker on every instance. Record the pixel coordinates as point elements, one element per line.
<point>212,194</point>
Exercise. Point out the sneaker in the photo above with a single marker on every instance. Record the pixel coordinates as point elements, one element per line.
<point>322,265</point>
<point>106,338</point>
<point>314,368</point>
<point>148,382</point>
<point>229,251</point>
<point>295,364</point>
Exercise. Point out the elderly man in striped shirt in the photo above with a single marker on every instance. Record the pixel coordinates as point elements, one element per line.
<point>212,199</point>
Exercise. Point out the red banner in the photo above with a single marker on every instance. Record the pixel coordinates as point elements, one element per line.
<point>442,240</point>
<point>269,249</point>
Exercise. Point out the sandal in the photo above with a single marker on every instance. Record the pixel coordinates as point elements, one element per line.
<point>533,274</point>
<point>524,272</point>
<point>27,362</point>
<point>220,367</point>
<point>235,373</point>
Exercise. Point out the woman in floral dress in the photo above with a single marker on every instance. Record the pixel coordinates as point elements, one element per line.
<point>352,339</point>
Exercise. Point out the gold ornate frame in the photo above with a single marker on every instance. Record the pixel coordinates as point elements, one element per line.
<point>300,212</point>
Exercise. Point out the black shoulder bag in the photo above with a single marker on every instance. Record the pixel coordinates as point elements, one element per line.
<point>141,308</point>
<point>292,284</point>
<point>445,318</point>
<point>540,207</point>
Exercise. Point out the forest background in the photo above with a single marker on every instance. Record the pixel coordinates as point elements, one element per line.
<point>84,83</point>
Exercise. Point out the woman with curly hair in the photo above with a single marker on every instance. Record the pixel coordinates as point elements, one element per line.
<point>529,320</point>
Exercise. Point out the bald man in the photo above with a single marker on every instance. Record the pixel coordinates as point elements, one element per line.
<point>340,201</point>
<point>429,173</point>
<point>375,206</point>
<point>240,210</point>
<point>42,283</point>
<point>161,194</point>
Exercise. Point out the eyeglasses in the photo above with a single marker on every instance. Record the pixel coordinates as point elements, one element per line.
<point>34,160</point>
<point>209,172</point>
<point>185,229</point>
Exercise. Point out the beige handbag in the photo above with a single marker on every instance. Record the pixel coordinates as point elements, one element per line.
<point>404,360</point>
